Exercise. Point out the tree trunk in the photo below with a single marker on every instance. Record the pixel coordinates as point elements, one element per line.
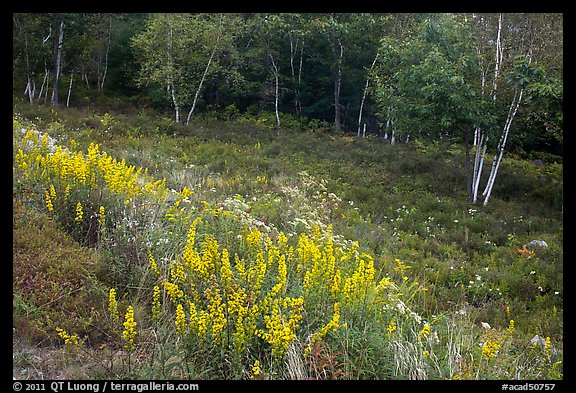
<point>298,103</point>
<point>106,56</point>
<point>276,89</point>
<point>338,51</point>
<point>69,90</point>
<point>293,50</point>
<point>478,165</point>
<point>170,85</point>
<point>499,56</point>
<point>46,83</point>
<point>497,160</point>
<point>174,101</point>
<point>57,62</point>
<point>365,92</point>
<point>467,167</point>
<point>205,72</point>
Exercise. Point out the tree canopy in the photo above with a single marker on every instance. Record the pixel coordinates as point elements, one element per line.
<point>424,74</point>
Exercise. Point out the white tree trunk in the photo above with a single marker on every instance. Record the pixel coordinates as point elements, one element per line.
<point>298,103</point>
<point>175,102</point>
<point>293,50</point>
<point>365,92</point>
<point>499,56</point>
<point>69,90</point>
<point>58,62</point>
<point>170,85</point>
<point>205,71</point>
<point>106,56</point>
<point>511,113</point>
<point>276,90</point>
<point>478,165</point>
<point>47,79</point>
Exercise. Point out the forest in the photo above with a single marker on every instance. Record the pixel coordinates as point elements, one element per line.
<point>279,196</point>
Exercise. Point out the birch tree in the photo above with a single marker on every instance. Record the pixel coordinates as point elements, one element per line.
<point>520,77</point>
<point>524,76</point>
<point>425,84</point>
<point>58,42</point>
<point>178,51</point>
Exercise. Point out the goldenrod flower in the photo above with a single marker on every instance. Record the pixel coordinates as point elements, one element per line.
<point>153,263</point>
<point>52,191</point>
<point>79,212</point>
<point>174,292</point>
<point>256,370</point>
<point>425,332</point>
<point>510,329</point>
<point>102,221</point>
<point>68,339</point>
<point>113,304</point>
<point>490,348</point>
<point>49,205</point>
<point>253,238</point>
<point>156,310</point>
<point>129,332</point>
<point>180,320</point>
<point>391,326</point>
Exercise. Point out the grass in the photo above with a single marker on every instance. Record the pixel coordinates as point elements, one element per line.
<point>453,265</point>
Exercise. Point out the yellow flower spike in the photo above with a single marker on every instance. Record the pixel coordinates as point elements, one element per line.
<point>52,191</point>
<point>129,332</point>
<point>173,291</point>
<point>102,220</point>
<point>79,212</point>
<point>253,238</point>
<point>153,263</point>
<point>510,329</point>
<point>180,320</point>
<point>113,304</point>
<point>68,339</point>
<point>425,332</point>
<point>256,370</point>
<point>49,204</point>
<point>156,307</point>
<point>490,348</point>
<point>391,326</point>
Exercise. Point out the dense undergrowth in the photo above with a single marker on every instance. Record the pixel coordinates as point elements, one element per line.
<point>229,249</point>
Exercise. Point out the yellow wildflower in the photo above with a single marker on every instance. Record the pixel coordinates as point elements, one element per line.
<point>425,332</point>
<point>153,263</point>
<point>253,238</point>
<point>52,191</point>
<point>49,204</point>
<point>490,348</point>
<point>129,332</point>
<point>156,310</point>
<point>68,339</point>
<point>256,370</point>
<point>102,220</point>
<point>174,292</point>
<point>79,212</point>
<point>391,326</point>
<point>180,321</point>
<point>510,329</point>
<point>113,304</point>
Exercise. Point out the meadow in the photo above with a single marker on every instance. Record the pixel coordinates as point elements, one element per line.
<point>229,249</point>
